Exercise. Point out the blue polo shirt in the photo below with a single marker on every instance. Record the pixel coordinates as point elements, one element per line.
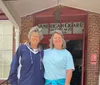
<point>56,62</point>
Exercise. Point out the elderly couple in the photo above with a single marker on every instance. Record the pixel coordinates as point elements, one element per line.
<point>31,65</point>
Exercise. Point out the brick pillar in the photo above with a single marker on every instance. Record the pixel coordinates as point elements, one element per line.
<point>26,23</point>
<point>13,50</point>
<point>93,47</point>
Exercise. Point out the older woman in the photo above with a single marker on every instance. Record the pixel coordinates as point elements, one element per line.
<point>58,62</point>
<point>26,67</point>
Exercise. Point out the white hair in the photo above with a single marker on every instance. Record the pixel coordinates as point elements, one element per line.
<point>51,40</point>
<point>35,29</point>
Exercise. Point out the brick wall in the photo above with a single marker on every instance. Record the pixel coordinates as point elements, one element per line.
<point>93,47</point>
<point>13,50</point>
<point>26,23</point>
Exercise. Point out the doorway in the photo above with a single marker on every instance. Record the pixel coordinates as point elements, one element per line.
<point>75,47</point>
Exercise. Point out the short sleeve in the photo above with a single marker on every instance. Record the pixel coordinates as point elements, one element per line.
<point>69,62</point>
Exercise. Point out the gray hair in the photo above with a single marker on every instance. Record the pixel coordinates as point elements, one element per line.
<point>35,29</point>
<point>51,40</point>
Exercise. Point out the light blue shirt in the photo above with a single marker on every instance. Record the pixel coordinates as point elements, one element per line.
<point>56,62</point>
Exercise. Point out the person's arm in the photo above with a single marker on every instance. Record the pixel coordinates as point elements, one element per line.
<point>69,68</point>
<point>68,76</point>
<point>14,68</point>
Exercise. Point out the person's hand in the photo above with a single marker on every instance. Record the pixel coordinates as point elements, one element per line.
<point>67,84</point>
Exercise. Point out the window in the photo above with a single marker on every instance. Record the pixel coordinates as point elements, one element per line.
<point>6,43</point>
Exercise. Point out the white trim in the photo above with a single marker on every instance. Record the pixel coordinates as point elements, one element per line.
<point>32,50</point>
<point>19,68</point>
<point>17,38</point>
<point>7,9</point>
<point>24,15</point>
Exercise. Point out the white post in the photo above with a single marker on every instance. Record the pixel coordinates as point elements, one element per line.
<point>17,37</point>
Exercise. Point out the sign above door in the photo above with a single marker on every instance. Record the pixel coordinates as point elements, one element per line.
<point>67,28</point>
